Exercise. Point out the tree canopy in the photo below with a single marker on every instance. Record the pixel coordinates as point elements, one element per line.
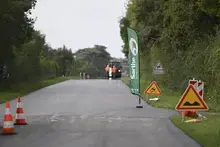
<point>15,26</point>
<point>183,35</point>
<point>94,59</point>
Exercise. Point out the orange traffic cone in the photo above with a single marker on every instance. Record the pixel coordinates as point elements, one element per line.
<point>19,118</point>
<point>8,126</point>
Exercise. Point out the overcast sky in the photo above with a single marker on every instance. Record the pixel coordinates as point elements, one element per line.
<point>81,23</point>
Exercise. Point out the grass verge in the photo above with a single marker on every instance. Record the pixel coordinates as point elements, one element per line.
<point>168,99</point>
<point>207,132</point>
<point>24,89</point>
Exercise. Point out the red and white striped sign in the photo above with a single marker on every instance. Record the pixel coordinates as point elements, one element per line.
<point>201,89</point>
<point>194,83</point>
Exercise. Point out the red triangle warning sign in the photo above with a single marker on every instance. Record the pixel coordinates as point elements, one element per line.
<point>191,100</point>
<point>153,89</point>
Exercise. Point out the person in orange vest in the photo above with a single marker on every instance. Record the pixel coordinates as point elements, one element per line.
<point>107,70</point>
<point>114,69</point>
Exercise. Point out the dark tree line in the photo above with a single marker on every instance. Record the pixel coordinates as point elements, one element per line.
<point>26,57</point>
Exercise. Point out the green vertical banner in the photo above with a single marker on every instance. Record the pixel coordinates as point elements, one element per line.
<point>133,62</point>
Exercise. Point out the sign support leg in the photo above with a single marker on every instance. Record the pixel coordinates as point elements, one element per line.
<point>147,98</point>
<point>139,101</point>
<point>182,117</point>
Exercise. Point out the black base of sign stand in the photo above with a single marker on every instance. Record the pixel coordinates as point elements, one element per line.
<point>139,106</point>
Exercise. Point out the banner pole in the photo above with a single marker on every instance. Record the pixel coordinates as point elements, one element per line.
<point>139,67</point>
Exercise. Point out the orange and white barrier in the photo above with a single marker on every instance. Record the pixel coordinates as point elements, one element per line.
<point>194,83</point>
<point>19,119</point>
<point>201,89</point>
<point>8,125</point>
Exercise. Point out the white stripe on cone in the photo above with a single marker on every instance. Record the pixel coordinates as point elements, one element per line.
<point>19,116</point>
<point>8,124</point>
<point>7,111</point>
<point>19,105</point>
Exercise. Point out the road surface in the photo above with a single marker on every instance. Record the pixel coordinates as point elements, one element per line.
<point>92,113</point>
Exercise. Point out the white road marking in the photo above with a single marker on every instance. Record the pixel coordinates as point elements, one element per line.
<point>72,120</point>
<point>83,116</point>
<point>54,117</point>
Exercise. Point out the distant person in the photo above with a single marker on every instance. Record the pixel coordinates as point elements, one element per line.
<point>110,70</point>
<point>107,70</point>
<point>84,75</point>
<point>114,69</point>
<point>80,74</point>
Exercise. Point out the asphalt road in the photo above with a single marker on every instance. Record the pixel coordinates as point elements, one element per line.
<point>92,113</point>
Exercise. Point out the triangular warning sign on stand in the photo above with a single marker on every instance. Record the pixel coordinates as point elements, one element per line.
<point>153,89</point>
<point>191,100</point>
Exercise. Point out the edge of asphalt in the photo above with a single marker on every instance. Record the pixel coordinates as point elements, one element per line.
<point>175,113</point>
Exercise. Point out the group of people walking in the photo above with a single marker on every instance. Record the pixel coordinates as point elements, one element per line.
<point>110,72</point>
<point>84,75</point>
<point>110,68</point>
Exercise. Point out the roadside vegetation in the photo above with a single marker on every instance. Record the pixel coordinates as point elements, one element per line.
<point>184,37</point>
<point>28,62</point>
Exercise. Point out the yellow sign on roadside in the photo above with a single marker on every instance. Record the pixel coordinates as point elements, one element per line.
<point>191,100</point>
<point>153,89</point>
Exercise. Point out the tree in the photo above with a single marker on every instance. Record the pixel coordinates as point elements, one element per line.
<point>15,26</point>
<point>95,58</point>
<point>64,57</point>
<point>124,24</point>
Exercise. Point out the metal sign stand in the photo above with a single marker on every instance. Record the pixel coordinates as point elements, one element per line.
<point>139,106</point>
